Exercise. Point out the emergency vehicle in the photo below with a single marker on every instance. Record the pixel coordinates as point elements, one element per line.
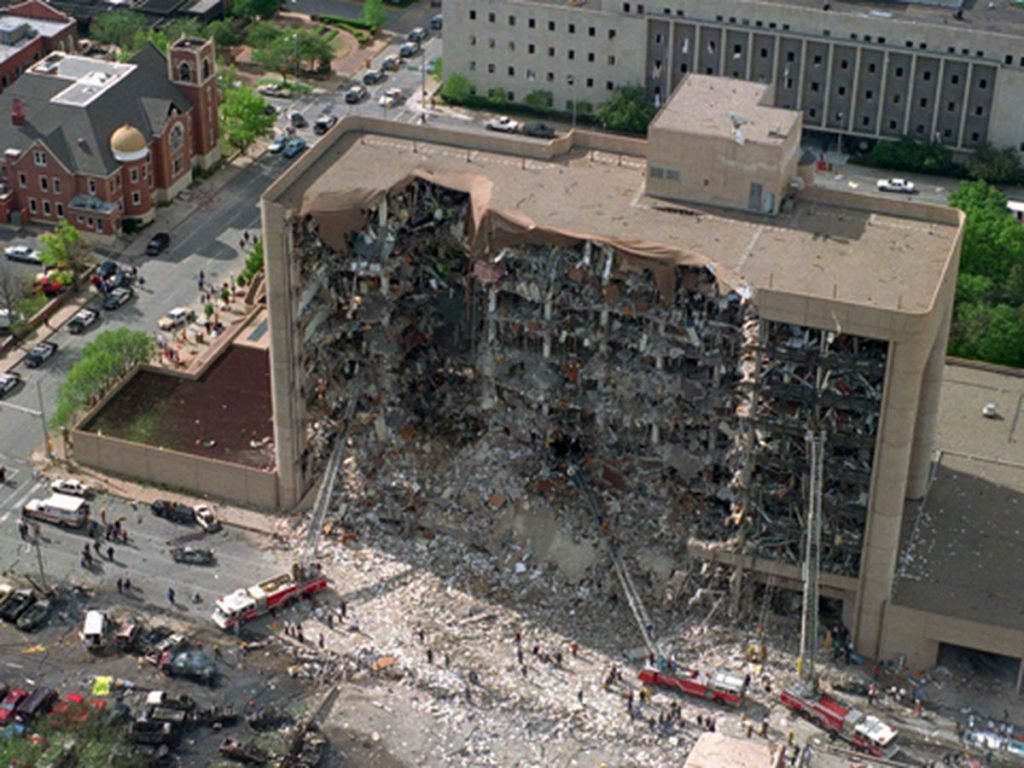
<point>244,605</point>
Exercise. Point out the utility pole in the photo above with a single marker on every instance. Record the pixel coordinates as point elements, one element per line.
<point>42,417</point>
<point>39,559</point>
<point>815,440</point>
<point>423,84</point>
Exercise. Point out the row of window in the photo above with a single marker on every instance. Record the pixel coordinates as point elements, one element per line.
<point>549,77</point>
<point>920,129</point>
<point>33,207</point>
<point>663,173</point>
<point>531,49</point>
<point>492,18</point>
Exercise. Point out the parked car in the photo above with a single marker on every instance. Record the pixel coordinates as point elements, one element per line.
<point>324,123</point>
<point>16,605</point>
<point>503,124</point>
<point>40,353</point>
<point>206,519</point>
<point>277,144</point>
<point>33,618</point>
<point>71,487</point>
<point>353,95</point>
<point>36,703</point>
<point>169,644</point>
<point>83,320</point>
<point>173,511</point>
<point>392,97</point>
<point>389,64</point>
<point>117,298</point>
<point>10,703</point>
<point>297,120</point>
<point>294,147</point>
<point>193,556</point>
<point>175,318</point>
<point>146,641</point>
<point>436,22</point>
<point>901,186</point>
<point>408,50</point>
<point>8,383</point>
<point>23,253</point>
<point>417,35</point>
<point>539,130</point>
<point>157,244</point>
<point>374,76</point>
<point>272,89</point>
<point>195,664</point>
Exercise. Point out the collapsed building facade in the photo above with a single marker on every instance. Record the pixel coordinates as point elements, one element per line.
<point>494,322</point>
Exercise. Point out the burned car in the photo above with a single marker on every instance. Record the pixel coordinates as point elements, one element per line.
<point>193,556</point>
<point>195,664</point>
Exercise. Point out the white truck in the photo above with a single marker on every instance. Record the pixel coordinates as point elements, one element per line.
<point>60,509</point>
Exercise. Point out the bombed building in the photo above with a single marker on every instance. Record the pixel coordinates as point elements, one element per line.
<point>496,325</point>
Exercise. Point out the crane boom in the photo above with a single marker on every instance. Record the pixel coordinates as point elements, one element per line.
<point>323,496</point>
<point>815,440</point>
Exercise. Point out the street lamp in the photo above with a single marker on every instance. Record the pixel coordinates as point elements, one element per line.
<point>423,85</point>
<point>572,81</point>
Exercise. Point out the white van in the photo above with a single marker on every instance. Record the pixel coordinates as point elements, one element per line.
<point>68,511</point>
<point>96,630</point>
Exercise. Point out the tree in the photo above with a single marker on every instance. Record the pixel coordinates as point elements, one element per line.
<point>104,360</point>
<point>993,240</point>
<point>457,89</point>
<point>288,51</point>
<point>224,33</point>
<point>261,34</point>
<point>65,248</point>
<point>996,166</point>
<point>628,110</point>
<point>263,9</point>
<point>275,57</point>
<point>540,99</point>
<point>909,155</point>
<point>12,287</point>
<point>374,14</point>
<point>313,48</point>
<point>243,118</point>
<point>117,28</point>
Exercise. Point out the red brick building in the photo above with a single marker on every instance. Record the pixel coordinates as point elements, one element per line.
<point>28,32</point>
<point>98,142</point>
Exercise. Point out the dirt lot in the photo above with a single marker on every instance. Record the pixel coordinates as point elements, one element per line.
<point>225,415</point>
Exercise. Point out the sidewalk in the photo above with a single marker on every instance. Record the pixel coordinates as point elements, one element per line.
<point>16,354</point>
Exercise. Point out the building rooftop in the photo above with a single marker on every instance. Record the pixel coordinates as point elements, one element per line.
<point>716,106</point>
<point>841,247</point>
<point>86,77</point>
<point>18,31</point>
<point>714,750</point>
<point>973,515</point>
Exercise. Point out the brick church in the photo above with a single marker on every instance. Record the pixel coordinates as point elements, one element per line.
<point>100,142</point>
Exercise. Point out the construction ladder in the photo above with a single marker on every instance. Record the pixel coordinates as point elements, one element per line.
<point>323,496</point>
<point>628,588</point>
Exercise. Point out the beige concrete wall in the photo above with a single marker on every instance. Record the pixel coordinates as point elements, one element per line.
<point>240,485</point>
<point>918,634</point>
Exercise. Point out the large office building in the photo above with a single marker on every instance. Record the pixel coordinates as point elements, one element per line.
<point>860,70</point>
<point>669,316</point>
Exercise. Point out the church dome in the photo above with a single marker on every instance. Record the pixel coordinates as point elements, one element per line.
<point>127,144</point>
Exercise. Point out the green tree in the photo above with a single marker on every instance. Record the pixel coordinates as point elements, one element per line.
<point>251,9</point>
<point>973,289</point>
<point>540,99</point>
<point>65,248</point>
<point>497,96</point>
<point>261,34</point>
<point>996,166</point>
<point>457,89</point>
<point>224,33</point>
<point>289,51</point>
<point>993,240</point>
<point>104,360</point>
<point>243,119</point>
<point>117,27</point>
<point>627,110</point>
<point>906,154</point>
<point>374,14</point>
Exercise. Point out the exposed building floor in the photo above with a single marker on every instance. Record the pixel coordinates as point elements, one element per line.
<point>224,415</point>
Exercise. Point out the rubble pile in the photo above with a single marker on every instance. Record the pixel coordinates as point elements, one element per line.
<point>479,380</point>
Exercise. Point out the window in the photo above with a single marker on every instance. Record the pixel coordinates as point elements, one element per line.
<point>572,55</point>
<point>490,18</point>
<point>865,121</point>
<point>625,8</point>
<point>979,111</point>
<point>590,82</point>
<point>185,72</point>
<point>892,125</point>
<point>550,77</point>
<point>511,21</point>
<point>46,208</point>
<point>672,175</point>
<point>531,48</point>
<point>177,136</point>
<point>813,112</point>
<point>975,136</point>
<point>611,34</point>
<point>611,61</point>
<point>814,87</point>
<point>22,180</point>
<point>951,106</point>
<point>490,43</point>
<point>954,79</point>
<point>56,185</point>
<point>895,98</point>
<point>817,60</point>
<point>868,95</point>
<point>1008,59</point>
<point>92,186</point>
<point>899,71</point>
<point>32,205</point>
<point>592,31</point>
<point>472,66</point>
<point>572,30</point>
<point>551,51</point>
<point>590,57</point>
<point>657,173</point>
<point>531,23</point>
<point>844,64</point>
<point>711,46</point>
<point>924,103</point>
<point>920,129</point>
<point>490,69</point>
<point>136,198</point>
<point>472,40</point>
<point>511,45</point>
<point>764,53</point>
<point>737,49</point>
<point>177,165</point>
<point>472,15</point>
<point>841,90</point>
<point>551,26</point>
<point>910,43</point>
<point>44,183</point>
<point>39,158</point>
<point>790,56</point>
<point>609,86</point>
<point>60,210</point>
<point>982,84</point>
<point>511,71</point>
<point>926,76</point>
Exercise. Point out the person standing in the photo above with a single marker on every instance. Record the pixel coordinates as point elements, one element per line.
<point>170,595</point>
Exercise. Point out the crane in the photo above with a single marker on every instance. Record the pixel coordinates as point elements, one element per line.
<point>815,440</point>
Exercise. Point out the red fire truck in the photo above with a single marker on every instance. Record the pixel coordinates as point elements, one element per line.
<point>865,732</point>
<point>247,604</point>
<point>721,685</point>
